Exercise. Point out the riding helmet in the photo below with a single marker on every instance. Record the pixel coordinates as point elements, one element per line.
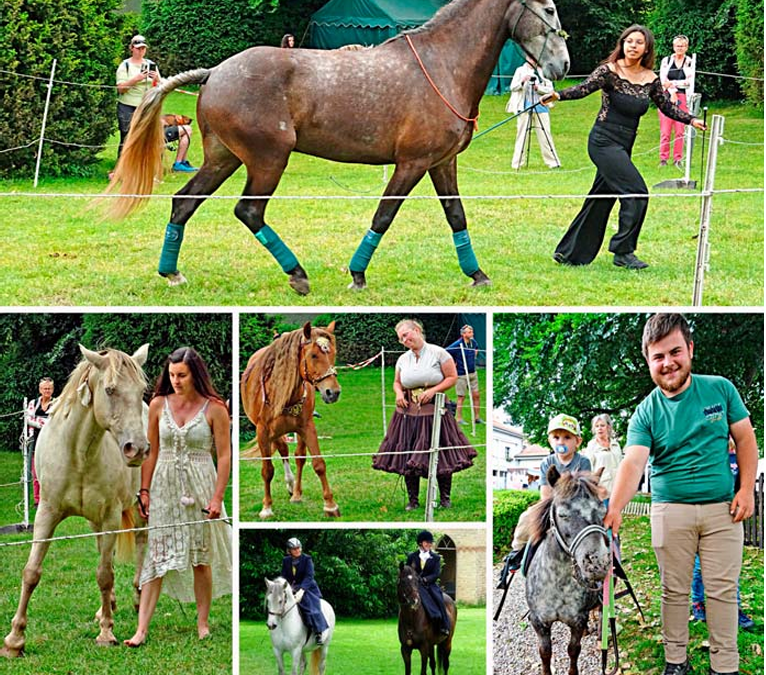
<point>293,542</point>
<point>425,535</point>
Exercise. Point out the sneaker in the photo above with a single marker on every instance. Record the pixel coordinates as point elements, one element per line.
<point>698,611</point>
<point>629,261</point>
<point>184,167</point>
<point>745,622</point>
<point>676,668</point>
<point>462,423</point>
<point>480,421</point>
<point>663,162</point>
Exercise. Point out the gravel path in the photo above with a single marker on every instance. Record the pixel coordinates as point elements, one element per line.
<point>515,641</point>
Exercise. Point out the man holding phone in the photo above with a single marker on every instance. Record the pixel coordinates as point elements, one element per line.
<point>135,76</point>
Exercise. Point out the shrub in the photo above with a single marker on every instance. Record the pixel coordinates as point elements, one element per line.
<point>749,36</point>
<point>508,506</point>
<point>84,37</point>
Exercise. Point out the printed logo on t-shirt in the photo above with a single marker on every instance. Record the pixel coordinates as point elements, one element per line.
<point>713,413</point>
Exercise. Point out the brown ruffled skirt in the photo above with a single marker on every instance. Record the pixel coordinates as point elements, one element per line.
<point>410,429</point>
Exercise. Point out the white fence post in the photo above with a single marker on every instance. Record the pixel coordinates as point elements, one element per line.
<point>45,118</point>
<point>433,459</point>
<point>703,245</point>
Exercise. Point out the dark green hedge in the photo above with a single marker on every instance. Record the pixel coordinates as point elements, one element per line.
<point>36,345</point>
<point>356,569</point>
<point>508,506</point>
<point>84,37</point>
<point>749,34</point>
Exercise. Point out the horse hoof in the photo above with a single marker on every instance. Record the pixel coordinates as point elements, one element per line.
<point>11,652</point>
<point>332,511</point>
<point>265,513</point>
<point>299,281</point>
<point>296,499</point>
<point>358,283</point>
<point>175,278</point>
<point>106,642</point>
<point>480,279</point>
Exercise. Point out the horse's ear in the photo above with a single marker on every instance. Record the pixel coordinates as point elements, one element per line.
<point>331,327</point>
<point>141,354</point>
<point>98,360</point>
<point>552,475</point>
<point>307,330</point>
<point>268,582</point>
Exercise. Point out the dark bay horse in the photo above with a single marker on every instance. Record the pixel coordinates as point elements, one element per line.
<point>565,575</point>
<point>373,106</point>
<point>87,460</point>
<point>278,394</point>
<point>416,630</point>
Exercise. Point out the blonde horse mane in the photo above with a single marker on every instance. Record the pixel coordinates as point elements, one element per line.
<point>118,363</point>
<point>279,367</point>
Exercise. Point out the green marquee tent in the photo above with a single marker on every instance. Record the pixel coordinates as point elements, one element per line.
<point>370,22</point>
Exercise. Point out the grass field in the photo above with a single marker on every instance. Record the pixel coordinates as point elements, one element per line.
<point>354,425</point>
<point>642,645</point>
<point>370,647</point>
<point>62,631</point>
<point>54,252</point>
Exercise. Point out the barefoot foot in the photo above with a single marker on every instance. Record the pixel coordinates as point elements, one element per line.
<point>137,640</point>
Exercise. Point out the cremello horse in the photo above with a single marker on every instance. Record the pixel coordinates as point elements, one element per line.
<point>87,457</point>
<point>290,635</point>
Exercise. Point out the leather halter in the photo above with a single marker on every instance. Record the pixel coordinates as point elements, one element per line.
<point>571,548</point>
<point>281,614</point>
<point>551,29</point>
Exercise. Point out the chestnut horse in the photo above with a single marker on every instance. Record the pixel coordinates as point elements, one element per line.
<point>411,101</point>
<point>87,460</point>
<point>416,630</point>
<point>278,397</point>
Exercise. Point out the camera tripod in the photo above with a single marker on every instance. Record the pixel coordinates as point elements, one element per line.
<point>532,119</point>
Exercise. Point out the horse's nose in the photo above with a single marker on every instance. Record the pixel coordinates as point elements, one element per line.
<point>135,452</point>
<point>330,395</point>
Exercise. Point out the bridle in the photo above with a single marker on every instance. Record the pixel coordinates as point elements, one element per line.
<point>281,615</point>
<point>330,372</point>
<point>560,32</point>
<point>571,548</point>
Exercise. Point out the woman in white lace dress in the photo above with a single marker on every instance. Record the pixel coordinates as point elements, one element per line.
<point>188,420</point>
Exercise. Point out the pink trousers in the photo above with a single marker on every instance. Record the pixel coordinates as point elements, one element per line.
<point>667,126</point>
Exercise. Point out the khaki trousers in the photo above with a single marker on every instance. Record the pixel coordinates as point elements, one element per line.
<point>541,123</point>
<point>678,532</point>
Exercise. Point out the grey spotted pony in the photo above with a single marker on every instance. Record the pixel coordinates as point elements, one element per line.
<point>565,576</point>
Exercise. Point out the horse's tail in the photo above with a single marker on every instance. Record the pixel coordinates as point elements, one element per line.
<point>141,159</point>
<point>252,449</point>
<point>316,656</point>
<point>126,541</point>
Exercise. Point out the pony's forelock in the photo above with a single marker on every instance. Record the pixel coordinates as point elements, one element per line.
<point>568,487</point>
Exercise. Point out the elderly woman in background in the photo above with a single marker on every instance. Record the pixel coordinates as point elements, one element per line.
<point>422,372</point>
<point>604,451</point>
<point>677,78</point>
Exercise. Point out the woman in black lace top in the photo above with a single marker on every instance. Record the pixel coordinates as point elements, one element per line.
<point>627,85</point>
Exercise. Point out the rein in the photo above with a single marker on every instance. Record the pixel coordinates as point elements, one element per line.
<point>609,615</point>
<point>473,120</point>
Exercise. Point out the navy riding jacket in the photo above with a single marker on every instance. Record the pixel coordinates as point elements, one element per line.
<point>430,593</point>
<point>299,573</point>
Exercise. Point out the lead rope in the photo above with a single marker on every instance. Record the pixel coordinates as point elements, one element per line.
<point>473,120</point>
<point>609,615</point>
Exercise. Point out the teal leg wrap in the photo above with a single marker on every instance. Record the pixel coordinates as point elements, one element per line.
<point>274,245</point>
<point>465,255</point>
<point>174,236</point>
<point>363,254</point>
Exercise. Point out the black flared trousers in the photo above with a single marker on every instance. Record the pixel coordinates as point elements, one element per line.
<point>609,147</point>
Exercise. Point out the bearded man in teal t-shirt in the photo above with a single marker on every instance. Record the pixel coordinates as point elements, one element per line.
<point>684,426</point>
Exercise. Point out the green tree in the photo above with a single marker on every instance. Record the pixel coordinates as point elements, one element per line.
<point>84,37</point>
<point>585,364</point>
<point>749,36</point>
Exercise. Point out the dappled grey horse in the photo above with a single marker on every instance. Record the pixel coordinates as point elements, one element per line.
<point>412,102</point>
<point>565,576</point>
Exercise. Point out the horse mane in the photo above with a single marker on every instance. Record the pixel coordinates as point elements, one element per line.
<point>568,487</point>
<point>280,367</point>
<point>448,12</point>
<point>120,364</point>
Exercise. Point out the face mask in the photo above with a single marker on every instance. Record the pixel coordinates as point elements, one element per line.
<point>561,449</point>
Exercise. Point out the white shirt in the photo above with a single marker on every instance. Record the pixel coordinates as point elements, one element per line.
<point>424,370</point>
